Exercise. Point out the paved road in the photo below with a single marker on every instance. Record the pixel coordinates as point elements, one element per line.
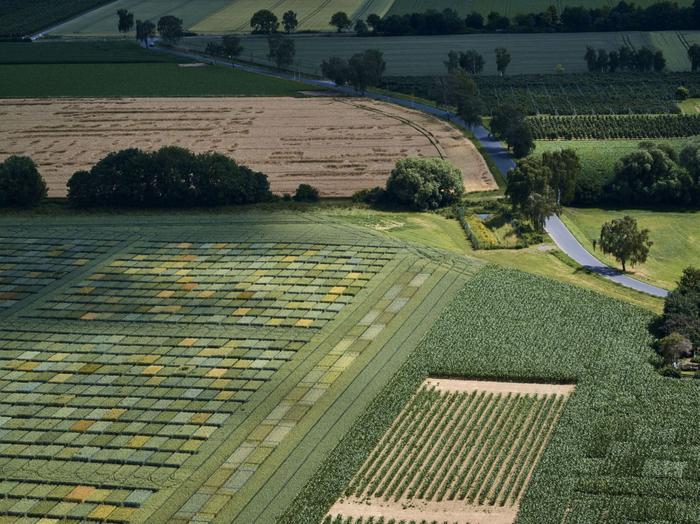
<point>494,149</point>
<point>572,247</point>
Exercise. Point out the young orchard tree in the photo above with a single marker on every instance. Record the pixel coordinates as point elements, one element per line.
<point>170,29</point>
<point>623,239</point>
<point>502,60</point>
<point>289,22</point>
<point>341,21</point>
<point>126,21</point>
<point>264,22</point>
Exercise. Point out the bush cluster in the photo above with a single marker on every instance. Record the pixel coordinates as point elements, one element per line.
<point>170,177</point>
<point>21,185</point>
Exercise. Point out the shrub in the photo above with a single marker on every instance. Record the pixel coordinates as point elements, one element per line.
<point>425,183</point>
<point>170,177</point>
<point>682,93</point>
<point>21,185</point>
<point>306,193</point>
<point>373,197</point>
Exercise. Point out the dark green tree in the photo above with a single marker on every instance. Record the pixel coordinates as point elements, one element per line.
<point>361,28</point>
<point>264,22</point>
<point>336,69</point>
<point>472,62</point>
<point>366,69</point>
<point>281,50</point>
<point>502,60</point>
<point>694,57</point>
<point>425,183</point>
<point>126,21</point>
<point>682,308</point>
<point>21,185</point>
<point>289,22</point>
<point>232,47</point>
<point>374,21</point>
<point>565,168</point>
<point>145,31</point>
<point>170,29</point>
<point>341,21</point>
<point>307,193</point>
<point>623,239</point>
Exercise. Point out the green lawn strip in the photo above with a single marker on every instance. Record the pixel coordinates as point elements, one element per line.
<point>336,418</point>
<point>138,80</point>
<point>222,443</point>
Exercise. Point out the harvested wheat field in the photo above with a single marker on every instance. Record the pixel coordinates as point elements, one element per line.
<point>340,145</point>
<point>461,452</point>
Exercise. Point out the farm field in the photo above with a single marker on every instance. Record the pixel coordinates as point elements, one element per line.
<point>222,16</point>
<point>136,80</point>
<point>460,451</point>
<point>103,21</point>
<point>79,52</point>
<point>23,17</point>
<point>338,145</point>
<point>504,7</point>
<point>424,55</point>
<point>606,457</point>
<point>186,348</point>
<point>676,237</point>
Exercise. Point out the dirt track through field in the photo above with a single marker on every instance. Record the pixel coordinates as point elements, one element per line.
<point>340,145</point>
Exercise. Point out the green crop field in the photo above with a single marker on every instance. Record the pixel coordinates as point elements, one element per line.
<point>113,80</point>
<point>82,52</point>
<point>623,449</point>
<point>424,55</point>
<point>103,21</point>
<point>676,237</point>
<point>23,17</point>
<point>241,367</point>
<point>505,7</point>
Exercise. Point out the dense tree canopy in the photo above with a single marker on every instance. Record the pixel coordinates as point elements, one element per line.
<point>682,309</point>
<point>264,22</point>
<point>170,177</point>
<point>170,28</point>
<point>425,183</point>
<point>21,185</point>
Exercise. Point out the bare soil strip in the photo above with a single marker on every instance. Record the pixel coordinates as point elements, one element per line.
<point>339,145</point>
<point>467,386</point>
<point>419,510</point>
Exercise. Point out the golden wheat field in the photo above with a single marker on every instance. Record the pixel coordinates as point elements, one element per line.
<point>339,145</point>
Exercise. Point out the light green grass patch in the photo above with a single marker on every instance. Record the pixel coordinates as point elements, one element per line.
<point>676,238</point>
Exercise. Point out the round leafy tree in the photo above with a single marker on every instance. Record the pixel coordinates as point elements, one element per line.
<point>21,185</point>
<point>425,183</point>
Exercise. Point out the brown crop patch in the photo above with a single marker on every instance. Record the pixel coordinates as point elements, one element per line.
<point>461,451</point>
<point>339,145</point>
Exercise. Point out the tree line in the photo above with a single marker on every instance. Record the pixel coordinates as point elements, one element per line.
<point>624,16</point>
<point>169,27</point>
<point>642,60</point>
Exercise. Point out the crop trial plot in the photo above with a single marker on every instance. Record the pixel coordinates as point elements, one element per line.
<point>460,451</point>
<point>194,349</point>
<point>338,145</point>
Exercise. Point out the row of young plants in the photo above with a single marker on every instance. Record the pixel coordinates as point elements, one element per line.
<point>622,418</point>
<point>568,94</point>
<point>601,127</point>
<point>340,519</point>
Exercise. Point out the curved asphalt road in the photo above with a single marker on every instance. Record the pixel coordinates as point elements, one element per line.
<point>493,148</point>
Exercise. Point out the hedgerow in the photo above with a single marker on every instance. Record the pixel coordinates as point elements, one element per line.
<point>599,127</point>
<point>612,451</point>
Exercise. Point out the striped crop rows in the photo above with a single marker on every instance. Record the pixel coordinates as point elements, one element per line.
<point>478,447</point>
